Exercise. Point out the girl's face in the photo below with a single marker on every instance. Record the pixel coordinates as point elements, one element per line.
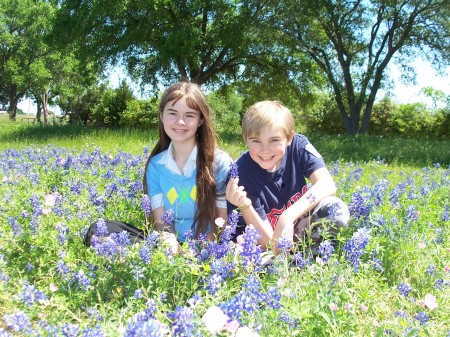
<point>269,147</point>
<point>181,122</point>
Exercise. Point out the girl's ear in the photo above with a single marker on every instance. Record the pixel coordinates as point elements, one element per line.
<point>200,123</point>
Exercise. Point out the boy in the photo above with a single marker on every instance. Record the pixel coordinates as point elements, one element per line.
<point>271,192</point>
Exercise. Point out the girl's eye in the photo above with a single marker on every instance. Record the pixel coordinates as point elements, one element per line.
<point>274,140</point>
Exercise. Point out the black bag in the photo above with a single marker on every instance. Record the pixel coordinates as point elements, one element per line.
<point>134,234</point>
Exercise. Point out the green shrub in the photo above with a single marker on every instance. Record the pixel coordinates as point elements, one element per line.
<point>141,113</point>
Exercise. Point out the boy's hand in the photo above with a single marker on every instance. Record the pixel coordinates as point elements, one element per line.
<point>282,230</point>
<point>236,195</point>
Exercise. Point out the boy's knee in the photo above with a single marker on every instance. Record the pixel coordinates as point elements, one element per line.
<point>335,210</point>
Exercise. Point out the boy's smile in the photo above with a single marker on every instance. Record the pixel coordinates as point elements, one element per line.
<point>268,148</point>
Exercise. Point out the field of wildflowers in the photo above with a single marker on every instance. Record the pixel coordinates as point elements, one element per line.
<point>388,276</point>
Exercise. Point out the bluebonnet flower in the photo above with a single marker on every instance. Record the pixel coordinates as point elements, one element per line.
<point>377,264</point>
<point>411,214</point>
<point>234,171</point>
<point>151,308</point>
<point>29,267</point>
<point>138,272</point>
<point>149,328</point>
<point>168,217</point>
<point>355,247</point>
<point>360,204</point>
<point>30,294</point>
<point>439,239</point>
<point>325,250</point>
<point>145,254</point>
<point>445,216</point>
<point>431,269</point>
<point>404,288</point>
<point>292,323</point>
<point>146,205</point>
<point>213,284</point>
<point>102,230</point>
<point>251,253</point>
<point>95,314</point>
<point>15,226</point>
<point>138,293</point>
<point>93,332</point>
<point>4,277</point>
<point>242,302</point>
<point>70,330</point>
<point>194,300</point>
<point>401,313</point>
<point>299,260</point>
<point>82,280</point>
<point>272,298</point>
<point>17,322</point>
<point>230,228</point>
<point>422,317</point>
<point>61,268</point>
<point>182,322</point>
<point>285,245</point>
<point>62,232</point>
<point>35,203</point>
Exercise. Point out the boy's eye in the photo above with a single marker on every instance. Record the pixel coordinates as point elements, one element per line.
<point>256,141</point>
<point>275,140</point>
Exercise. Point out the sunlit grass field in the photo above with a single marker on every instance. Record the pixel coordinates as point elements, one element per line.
<point>388,276</point>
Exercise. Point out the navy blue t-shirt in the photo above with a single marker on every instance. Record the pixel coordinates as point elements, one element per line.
<point>272,192</point>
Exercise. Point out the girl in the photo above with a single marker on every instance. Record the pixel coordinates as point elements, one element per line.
<point>186,172</point>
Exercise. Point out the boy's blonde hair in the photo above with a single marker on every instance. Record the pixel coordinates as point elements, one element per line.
<point>267,114</point>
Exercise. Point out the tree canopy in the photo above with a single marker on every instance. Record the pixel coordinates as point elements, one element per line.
<point>288,50</point>
<point>353,41</point>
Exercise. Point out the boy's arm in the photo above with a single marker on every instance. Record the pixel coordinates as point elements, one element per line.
<point>237,196</point>
<point>322,186</point>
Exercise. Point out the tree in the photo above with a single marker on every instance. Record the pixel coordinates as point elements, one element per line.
<point>23,27</point>
<point>163,41</point>
<point>353,41</point>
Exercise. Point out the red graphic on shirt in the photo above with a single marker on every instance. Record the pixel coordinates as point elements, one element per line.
<point>275,213</point>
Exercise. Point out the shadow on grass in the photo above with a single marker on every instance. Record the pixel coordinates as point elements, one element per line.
<point>396,150</point>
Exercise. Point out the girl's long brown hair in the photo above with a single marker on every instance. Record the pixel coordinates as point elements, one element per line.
<point>205,213</point>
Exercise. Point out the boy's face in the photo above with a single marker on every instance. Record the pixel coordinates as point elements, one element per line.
<point>269,147</point>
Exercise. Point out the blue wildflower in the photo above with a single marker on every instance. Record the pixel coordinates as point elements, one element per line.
<point>168,217</point>
<point>251,253</point>
<point>138,293</point>
<point>17,322</point>
<point>70,330</point>
<point>182,322</point>
<point>234,171</point>
<point>404,288</point>
<point>93,332</point>
<point>30,294</point>
<point>102,230</point>
<point>149,328</point>
<point>325,250</point>
<point>422,317</point>
<point>355,247</point>
<point>285,245</point>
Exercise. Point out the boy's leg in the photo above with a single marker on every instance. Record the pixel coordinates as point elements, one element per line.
<point>324,222</point>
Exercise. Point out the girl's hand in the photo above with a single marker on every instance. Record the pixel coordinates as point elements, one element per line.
<point>171,242</point>
<point>236,195</point>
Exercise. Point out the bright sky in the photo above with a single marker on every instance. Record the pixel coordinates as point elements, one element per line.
<point>426,77</point>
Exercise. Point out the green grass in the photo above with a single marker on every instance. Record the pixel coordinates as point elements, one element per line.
<point>363,148</point>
